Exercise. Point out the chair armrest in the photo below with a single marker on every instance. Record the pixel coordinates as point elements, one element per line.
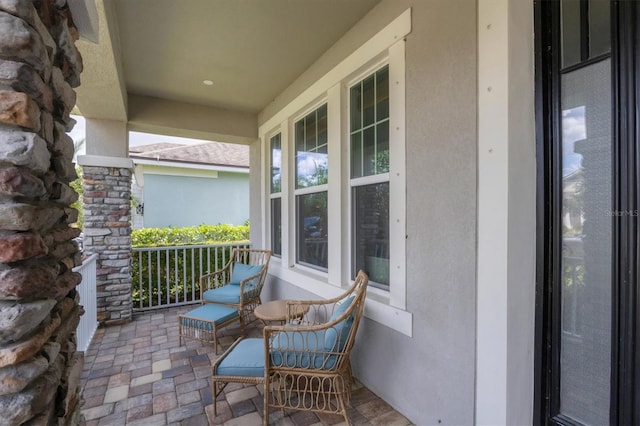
<point>219,279</point>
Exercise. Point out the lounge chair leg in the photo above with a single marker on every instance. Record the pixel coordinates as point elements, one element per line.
<point>215,398</point>
<point>265,393</point>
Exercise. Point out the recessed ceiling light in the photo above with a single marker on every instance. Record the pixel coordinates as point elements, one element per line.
<point>207,82</point>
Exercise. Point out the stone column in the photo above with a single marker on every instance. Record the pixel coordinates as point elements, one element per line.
<point>107,232</point>
<point>39,307</point>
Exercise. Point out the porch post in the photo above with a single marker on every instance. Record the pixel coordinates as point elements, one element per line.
<point>506,213</point>
<point>39,306</point>
<point>106,205</point>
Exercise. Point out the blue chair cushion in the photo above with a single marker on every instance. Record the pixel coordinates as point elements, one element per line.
<point>242,271</point>
<point>246,359</point>
<point>207,315</point>
<point>224,294</point>
<point>300,349</point>
<point>336,337</point>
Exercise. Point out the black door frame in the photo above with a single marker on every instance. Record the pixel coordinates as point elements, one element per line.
<point>625,356</point>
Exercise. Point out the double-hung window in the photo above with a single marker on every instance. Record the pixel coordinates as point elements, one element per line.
<point>369,181</point>
<point>276,193</point>
<point>311,186</point>
<point>329,223</point>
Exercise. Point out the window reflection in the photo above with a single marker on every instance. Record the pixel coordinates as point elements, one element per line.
<point>371,232</point>
<point>311,210</point>
<point>585,343</point>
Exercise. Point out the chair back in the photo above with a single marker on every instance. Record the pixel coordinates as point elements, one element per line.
<point>319,333</point>
<point>252,257</point>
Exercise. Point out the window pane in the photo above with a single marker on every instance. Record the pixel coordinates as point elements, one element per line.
<point>276,226</point>
<point>570,32</point>
<point>599,29</point>
<point>382,94</point>
<point>369,151</point>
<point>369,98</point>
<point>276,163</point>
<point>356,107</point>
<point>322,129</point>
<point>310,130</point>
<point>371,232</point>
<point>356,155</point>
<point>311,218</point>
<point>585,345</point>
<point>382,148</point>
<point>311,149</point>
<point>300,146</point>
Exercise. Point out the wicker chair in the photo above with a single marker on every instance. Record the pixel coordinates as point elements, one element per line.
<point>239,283</point>
<point>307,360</point>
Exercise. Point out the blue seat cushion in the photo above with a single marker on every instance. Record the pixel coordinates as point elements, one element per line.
<point>246,359</point>
<point>300,349</point>
<point>207,315</point>
<point>243,271</point>
<point>224,294</point>
<point>336,337</point>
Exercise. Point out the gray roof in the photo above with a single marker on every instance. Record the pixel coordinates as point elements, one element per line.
<point>206,153</point>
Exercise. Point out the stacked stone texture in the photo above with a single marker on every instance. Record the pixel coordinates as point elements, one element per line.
<point>39,307</point>
<point>107,233</point>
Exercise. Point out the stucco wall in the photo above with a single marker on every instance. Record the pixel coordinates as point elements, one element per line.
<point>429,377</point>
<point>190,201</point>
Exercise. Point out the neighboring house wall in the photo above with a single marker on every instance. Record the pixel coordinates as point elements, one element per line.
<point>430,375</point>
<point>177,201</point>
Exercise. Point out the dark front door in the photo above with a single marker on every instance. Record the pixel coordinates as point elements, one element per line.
<point>587,288</point>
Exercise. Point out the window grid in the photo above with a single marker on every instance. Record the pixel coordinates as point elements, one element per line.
<point>305,143</point>
<point>361,128</point>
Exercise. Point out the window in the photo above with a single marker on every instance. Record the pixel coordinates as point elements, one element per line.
<point>276,199</point>
<point>369,134</point>
<point>353,215</point>
<point>311,169</point>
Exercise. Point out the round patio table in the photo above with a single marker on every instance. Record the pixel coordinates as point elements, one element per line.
<point>276,310</point>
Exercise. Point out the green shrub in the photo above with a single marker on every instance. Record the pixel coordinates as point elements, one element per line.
<point>203,234</point>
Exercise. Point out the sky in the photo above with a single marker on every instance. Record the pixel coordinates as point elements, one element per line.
<point>573,130</point>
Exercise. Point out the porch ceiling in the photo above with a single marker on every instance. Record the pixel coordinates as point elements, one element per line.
<point>250,49</point>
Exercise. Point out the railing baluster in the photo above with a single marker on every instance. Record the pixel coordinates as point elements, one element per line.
<point>150,294</point>
<point>175,274</point>
<point>158,283</point>
<point>193,272</point>
<point>184,274</point>
<point>168,277</point>
<point>140,279</point>
<point>189,270</point>
<point>200,270</point>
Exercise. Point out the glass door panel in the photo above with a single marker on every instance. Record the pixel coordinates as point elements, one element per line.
<point>585,341</point>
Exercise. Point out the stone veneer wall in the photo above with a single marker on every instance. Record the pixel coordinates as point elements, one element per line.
<point>107,232</point>
<point>39,307</point>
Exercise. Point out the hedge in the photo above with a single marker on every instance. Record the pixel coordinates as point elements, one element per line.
<point>203,234</point>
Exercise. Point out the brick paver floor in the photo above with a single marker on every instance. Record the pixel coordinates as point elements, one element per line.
<point>137,374</point>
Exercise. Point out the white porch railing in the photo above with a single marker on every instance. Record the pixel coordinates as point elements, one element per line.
<point>87,289</point>
<point>169,276</point>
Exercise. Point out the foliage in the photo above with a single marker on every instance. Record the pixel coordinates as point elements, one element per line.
<point>76,185</point>
<point>202,234</point>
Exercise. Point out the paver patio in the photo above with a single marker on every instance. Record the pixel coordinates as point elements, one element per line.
<point>137,374</point>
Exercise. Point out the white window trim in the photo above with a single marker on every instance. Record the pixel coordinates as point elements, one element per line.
<point>385,307</point>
